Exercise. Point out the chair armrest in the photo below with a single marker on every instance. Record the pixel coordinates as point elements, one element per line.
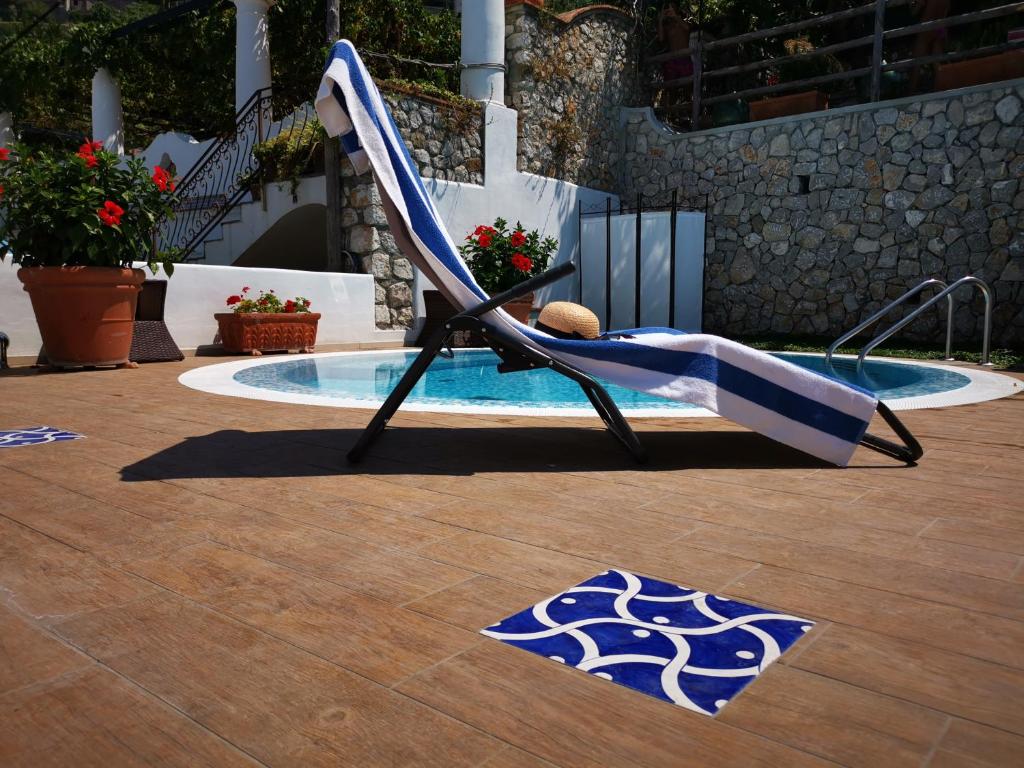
<point>527,286</point>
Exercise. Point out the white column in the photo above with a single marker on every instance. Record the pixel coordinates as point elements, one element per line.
<point>252,49</point>
<point>483,50</point>
<point>107,118</point>
<point>6,129</point>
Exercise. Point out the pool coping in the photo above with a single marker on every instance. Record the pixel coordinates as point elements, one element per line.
<point>218,379</point>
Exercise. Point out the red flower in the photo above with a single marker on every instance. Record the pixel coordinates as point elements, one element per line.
<point>522,263</point>
<point>5,154</point>
<point>245,289</point>
<point>234,299</point>
<point>91,161</point>
<point>484,241</point>
<point>111,213</point>
<point>518,239</point>
<point>85,149</point>
<point>96,145</point>
<point>289,306</point>
<point>1,190</point>
<point>162,179</point>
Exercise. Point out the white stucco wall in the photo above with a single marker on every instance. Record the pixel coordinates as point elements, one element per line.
<point>196,292</point>
<point>539,202</point>
<point>255,218</point>
<point>181,148</point>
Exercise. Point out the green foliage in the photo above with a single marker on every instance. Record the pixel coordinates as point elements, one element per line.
<point>399,27</point>
<point>181,76</point>
<point>60,209</point>
<point>501,258</point>
<point>266,302</point>
<point>292,153</point>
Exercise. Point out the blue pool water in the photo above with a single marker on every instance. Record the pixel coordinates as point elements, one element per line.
<point>472,379</point>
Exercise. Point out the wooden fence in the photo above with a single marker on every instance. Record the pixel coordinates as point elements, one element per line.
<point>698,51</point>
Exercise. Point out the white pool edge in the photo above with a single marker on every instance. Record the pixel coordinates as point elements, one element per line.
<point>218,379</point>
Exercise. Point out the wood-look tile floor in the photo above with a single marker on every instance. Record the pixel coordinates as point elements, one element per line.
<point>204,581</point>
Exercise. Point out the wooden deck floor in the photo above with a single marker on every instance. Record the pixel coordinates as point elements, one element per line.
<point>203,581</point>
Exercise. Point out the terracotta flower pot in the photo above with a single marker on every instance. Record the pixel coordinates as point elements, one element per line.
<point>790,104</point>
<point>85,314</point>
<point>258,332</point>
<point>987,69</point>
<point>520,308</point>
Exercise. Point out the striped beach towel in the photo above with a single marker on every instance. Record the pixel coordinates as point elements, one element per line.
<point>808,411</point>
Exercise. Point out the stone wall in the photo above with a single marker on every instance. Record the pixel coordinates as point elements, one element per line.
<point>815,222</point>
<point>568,76</point>
<point>445,141</point>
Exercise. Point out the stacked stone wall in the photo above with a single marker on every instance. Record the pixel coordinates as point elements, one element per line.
<point>815,223</point>
<point>567,78</point>
<point>445,141</point>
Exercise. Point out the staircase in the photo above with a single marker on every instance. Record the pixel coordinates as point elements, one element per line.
<point>217,190</point>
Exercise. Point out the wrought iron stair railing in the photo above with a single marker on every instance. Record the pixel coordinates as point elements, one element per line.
<point>223,176</point>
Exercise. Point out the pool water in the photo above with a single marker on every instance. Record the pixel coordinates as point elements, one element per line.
<point>472,379</point>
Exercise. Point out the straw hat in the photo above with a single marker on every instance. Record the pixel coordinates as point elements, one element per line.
<point>567,320</point>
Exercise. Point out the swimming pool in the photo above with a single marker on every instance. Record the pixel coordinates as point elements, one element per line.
<point>470,383</point>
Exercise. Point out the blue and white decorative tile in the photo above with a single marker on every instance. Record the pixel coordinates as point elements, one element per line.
<point>14,438</point>
<point>687,647</point>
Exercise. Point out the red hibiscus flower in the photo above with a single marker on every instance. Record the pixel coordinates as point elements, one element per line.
<point>234,299</point>
<point>91,161</point>
<point>518,239</point>
<point>522,263</point>
<point>111,213</point>
<point>484,241</point>
<point>162,179</point>
<point>5,154</point>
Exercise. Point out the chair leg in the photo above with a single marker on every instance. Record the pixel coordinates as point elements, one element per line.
<point>911,449</point>
<point>398,394</point>
<point>614,420</point>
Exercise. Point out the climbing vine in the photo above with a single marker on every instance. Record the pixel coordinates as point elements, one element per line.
<point>181,76</point>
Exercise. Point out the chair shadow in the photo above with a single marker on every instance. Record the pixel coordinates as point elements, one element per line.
<point>467,451</point>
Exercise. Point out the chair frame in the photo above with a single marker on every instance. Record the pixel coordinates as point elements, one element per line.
<point>517,356</point>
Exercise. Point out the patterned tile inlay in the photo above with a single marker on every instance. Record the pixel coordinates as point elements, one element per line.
<point>35,435</point>
<point>684,646</point>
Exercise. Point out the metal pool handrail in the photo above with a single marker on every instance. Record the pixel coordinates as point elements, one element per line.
<point>969,280</point>
<point>887,308</point>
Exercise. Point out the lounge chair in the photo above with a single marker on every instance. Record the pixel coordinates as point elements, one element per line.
<point>805,410</point>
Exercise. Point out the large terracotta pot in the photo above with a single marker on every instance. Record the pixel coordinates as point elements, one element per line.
<point>85,314</point>
<point>258,332</point>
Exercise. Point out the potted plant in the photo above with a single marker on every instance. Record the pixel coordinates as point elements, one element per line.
<point>267,324</point>
<point>807,66</point>
<point>75,223</point>
<point>501,258</point>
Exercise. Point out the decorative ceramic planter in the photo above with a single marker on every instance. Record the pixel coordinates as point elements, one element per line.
<point>258,332</point>
<point>790,104</point>
<point>85,314</point>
